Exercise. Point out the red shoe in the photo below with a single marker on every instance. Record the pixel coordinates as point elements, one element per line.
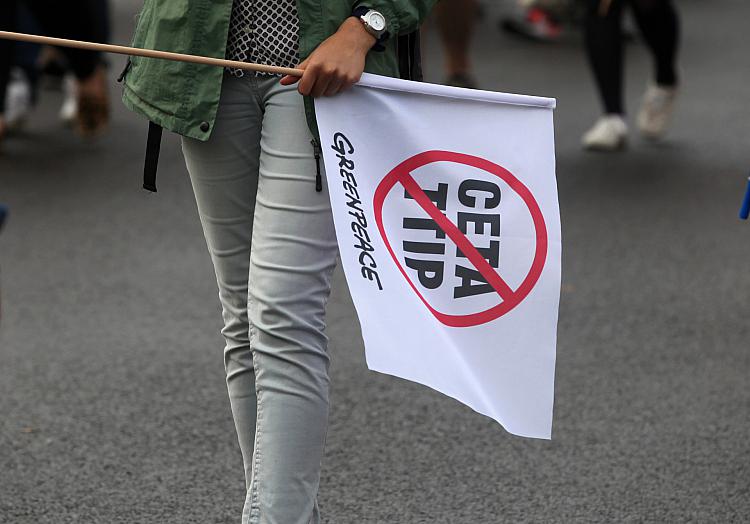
<point>537,24</point>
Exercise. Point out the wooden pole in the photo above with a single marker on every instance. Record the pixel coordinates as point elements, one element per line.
<point>148,53</point>
<point>604,6</point>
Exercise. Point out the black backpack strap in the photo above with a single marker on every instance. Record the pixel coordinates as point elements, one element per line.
<point>409,57</point>
<point>153,147</point>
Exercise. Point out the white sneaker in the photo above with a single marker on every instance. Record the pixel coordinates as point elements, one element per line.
<point>609,133</point>
<point>69,108</point>
<point>18,102</point>
<point>656,111</point>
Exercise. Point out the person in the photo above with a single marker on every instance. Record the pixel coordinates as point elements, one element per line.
<point>76,21</point>
<point>658,22</point>
<point>455,20</point>
<point>250,145</point>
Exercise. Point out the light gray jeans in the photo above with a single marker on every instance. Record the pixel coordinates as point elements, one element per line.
<point>254,183</point>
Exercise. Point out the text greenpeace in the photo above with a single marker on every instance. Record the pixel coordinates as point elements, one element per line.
<point>343,147</point>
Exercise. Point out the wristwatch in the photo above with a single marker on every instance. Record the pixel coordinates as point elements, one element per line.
<point>374,23</point>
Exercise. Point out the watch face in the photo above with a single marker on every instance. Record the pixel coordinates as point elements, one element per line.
<point>376,21</point>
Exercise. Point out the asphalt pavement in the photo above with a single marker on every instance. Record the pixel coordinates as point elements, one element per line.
<point>113,406</point>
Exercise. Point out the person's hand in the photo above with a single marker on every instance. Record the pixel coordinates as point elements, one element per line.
<point>337,63</point>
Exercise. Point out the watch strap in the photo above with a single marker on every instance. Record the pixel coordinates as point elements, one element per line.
<point>360,11</point>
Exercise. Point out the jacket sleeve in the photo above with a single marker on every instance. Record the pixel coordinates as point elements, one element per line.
<point>402,16</point>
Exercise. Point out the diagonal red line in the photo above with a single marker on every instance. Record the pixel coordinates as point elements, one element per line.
<point>455,234</point>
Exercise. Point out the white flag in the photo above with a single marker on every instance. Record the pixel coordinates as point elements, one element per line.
<point>446,213</point>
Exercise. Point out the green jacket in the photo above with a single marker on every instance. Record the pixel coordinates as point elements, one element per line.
<point>184,97</point>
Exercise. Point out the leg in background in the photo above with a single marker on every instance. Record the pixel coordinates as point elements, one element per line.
<point>102,19</point>
<point>82,22</point>
<point>27,55</point>
<point>604,48</point>
<point>70,20</point>
<point>455,20</point>
<point>659,24</point>
<point>8,20</point>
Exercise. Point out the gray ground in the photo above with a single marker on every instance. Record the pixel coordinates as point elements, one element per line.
<point>112,400</point>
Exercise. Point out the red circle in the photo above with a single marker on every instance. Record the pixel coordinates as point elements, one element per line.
<point>540,254</point>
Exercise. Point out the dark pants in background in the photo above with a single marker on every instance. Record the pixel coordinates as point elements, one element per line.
<point>658,23</point>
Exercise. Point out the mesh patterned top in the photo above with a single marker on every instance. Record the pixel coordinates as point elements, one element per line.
<point>264,32</point>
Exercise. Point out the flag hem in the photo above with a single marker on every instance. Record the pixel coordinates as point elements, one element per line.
<point>396,84</point>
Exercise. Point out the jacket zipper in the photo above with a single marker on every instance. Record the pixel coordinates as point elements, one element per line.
<point>318,177</point>
<point>124,71</point>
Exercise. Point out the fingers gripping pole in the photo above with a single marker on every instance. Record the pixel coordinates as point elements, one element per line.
<point>148,53</point>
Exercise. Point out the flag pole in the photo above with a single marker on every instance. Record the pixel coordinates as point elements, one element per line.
<point>148,53</point>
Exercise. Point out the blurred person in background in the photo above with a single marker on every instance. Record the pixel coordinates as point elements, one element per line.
<point>99,10</point>
<point>22,87</point>
<point>455,20</point>
<point>81,20</point>
<point>659,25</point>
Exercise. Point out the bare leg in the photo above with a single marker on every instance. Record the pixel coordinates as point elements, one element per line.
<point>455,20</point>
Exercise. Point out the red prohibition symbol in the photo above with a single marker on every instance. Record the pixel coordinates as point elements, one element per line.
<point>401,174</point>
